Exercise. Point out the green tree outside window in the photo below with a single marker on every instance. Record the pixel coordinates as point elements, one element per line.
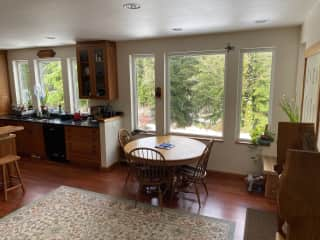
<point>51,79</point>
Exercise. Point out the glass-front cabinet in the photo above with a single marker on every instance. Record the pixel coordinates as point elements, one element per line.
<point>97,72</point>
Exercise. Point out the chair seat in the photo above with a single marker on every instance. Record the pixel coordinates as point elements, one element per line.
<point>188,171</point>
<point>8,159</point>
<point>187,168</point>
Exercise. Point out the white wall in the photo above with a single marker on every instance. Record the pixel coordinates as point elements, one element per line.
<point>227,156</point>
<point>311,29</point>
<point>310,35</point>
<point>300,75</point>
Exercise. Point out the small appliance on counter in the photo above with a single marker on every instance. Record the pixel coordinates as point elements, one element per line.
<point>76,116</point>
<point>20,111</point>
<point>103,112</point>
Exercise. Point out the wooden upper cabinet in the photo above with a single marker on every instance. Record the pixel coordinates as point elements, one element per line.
<point>4,84</point>
<point>97,70</point>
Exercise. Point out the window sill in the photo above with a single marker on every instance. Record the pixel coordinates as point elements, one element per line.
<point>199,137</point>
<point>143,132</point>
<point>245,142</point>
<point>248,143</point>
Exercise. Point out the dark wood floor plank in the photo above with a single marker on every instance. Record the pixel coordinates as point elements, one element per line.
<point>227,199</point>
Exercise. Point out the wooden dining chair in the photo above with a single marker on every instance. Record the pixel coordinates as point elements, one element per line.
<point>151,170</point>
<point>189,175</point>
<point>124,137</point>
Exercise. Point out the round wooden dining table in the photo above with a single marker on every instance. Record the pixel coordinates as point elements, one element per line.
<point>185,150</point>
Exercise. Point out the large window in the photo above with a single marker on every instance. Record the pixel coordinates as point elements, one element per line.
<point>23,84</point>
<point>79,105</point>
<point>144,85</point>
<point>196,93</point>
<point>50,74</point>
<point>256,77</point>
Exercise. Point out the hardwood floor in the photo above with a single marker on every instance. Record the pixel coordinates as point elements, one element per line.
<point>227,199</point>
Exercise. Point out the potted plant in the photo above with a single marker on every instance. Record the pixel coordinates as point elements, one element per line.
<point>40,93</point>
<point>260,138</point>
<point>290,108</point>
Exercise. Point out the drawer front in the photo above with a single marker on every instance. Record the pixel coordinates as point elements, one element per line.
<point>82,134</point>
<point>83,158</point>
<point>83,146</point>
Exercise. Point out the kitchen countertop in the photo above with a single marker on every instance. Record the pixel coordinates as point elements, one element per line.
<point>52,121</point>
<point>109,119</point>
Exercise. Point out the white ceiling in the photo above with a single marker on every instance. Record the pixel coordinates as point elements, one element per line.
<point>26,23</point>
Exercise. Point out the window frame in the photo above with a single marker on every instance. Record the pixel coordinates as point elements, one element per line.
<point>39,80</point>
<point>242,51</point>
<point>73,81</point>
<point>168,95</point>
<point>134,106</point>
<point>17,80</point>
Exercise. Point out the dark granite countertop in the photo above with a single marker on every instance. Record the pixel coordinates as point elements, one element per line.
<point>55,121</point>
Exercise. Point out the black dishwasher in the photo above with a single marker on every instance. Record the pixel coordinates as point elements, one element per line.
<point>54,142</point>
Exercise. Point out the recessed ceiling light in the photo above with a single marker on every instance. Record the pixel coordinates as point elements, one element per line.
<point>260,21</point>
<point>50,37</point>
<point>177,29</point>
<point>131,5</point>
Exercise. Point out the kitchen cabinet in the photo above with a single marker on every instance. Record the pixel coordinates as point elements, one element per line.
<point>83,146</point>
<point>97,70</point>
<point>4,84</point>
<point>30,141</point>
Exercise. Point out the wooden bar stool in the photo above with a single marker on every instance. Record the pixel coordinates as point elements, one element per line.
<point>5,163</point>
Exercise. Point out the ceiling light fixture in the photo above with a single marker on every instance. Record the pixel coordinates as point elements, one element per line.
<point>177,29</point>
<point>261,21</point>
<point>130,6</point>
<point>50,37</point>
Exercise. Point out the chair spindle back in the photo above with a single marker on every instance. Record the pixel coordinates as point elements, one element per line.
<point>124,136</point>
<point>201,168</point>
<point>151,163</point>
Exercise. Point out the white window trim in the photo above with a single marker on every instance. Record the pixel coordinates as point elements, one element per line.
<point>71,85</point>
<point>38,77</point>
<point>167,90</point>
<point>17,80</point>
<point>239,87</point>
<point>134,105</point>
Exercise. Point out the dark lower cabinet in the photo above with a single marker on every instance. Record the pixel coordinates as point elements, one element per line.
<point>78,145</point>
<point>83,146</point>
<point>30,141</point>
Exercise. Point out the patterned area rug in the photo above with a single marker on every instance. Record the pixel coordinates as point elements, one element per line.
<point>70,213</point>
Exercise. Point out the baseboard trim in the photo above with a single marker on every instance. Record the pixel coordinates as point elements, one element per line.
<point>226,174</point>
<point>210,172</point>
<point>111,167</point>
